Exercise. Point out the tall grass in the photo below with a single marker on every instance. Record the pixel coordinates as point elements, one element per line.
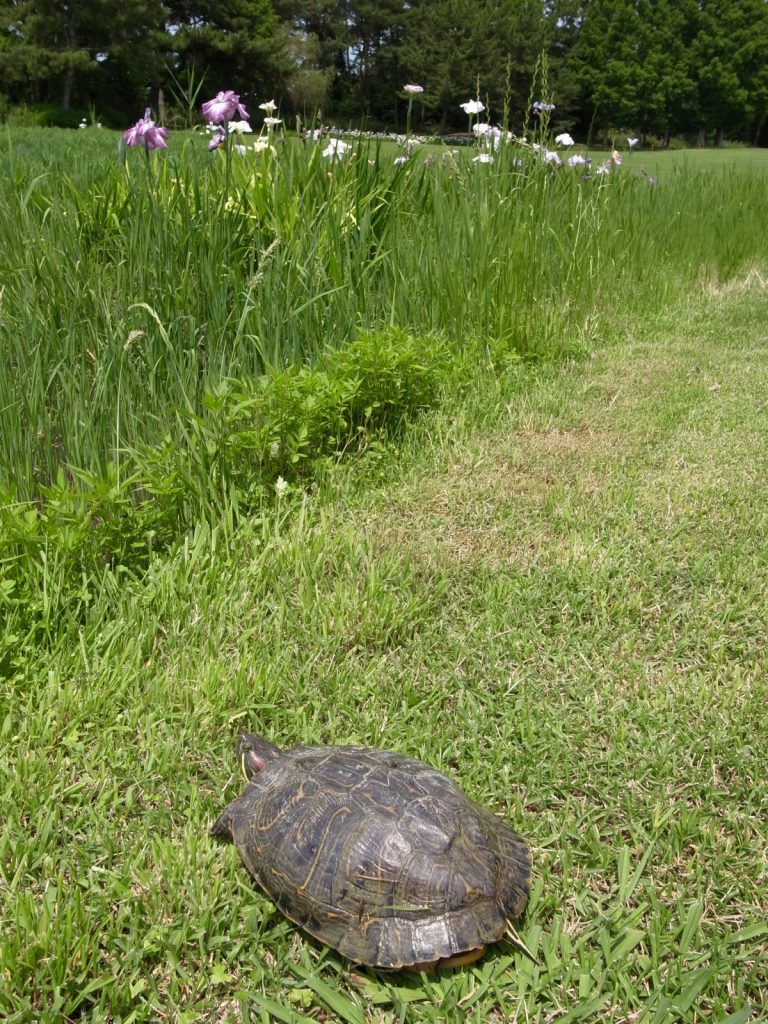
<point>130,291</point>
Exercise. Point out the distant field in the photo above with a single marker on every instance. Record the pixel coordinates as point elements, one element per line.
<point>700,159</point>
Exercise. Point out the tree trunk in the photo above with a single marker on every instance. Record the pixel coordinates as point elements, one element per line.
<point>69,81</point>
<point>702,140</point>
<point>759,131</point>
<point>69,74</point>
<point>719,138</point>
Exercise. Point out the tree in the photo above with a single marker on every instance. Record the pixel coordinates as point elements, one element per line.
<point>563,23</point>
<point>309,82</point>
<point>668,100</point>
<point>49,52</point>
<point>608,62</point>
<point>234,44</point>
<point>449,50</point>
<point>317,33</point>
<point>731,61</point>
<point>374,30</point>
<point>61,52</point>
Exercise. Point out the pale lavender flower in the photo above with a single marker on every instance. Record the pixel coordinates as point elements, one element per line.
<point>633,143</point>
<point>269,107</point>
<point>239,127</point>
<point>576,160</point>
<point>564,139</point>
<point>490,134</point>
<point>224,106</point>
<point>482,158</point>
<point>472,107</point>
<point>336,148</point>
<point>262,144</point>
<point>542,108</point>
<point>400,160</point>
<point>617,158</point>
<point>496,135</point>
<point>146,133</point>
<point>550,157</point>
<point>410,90</point>
<point>270,122</point>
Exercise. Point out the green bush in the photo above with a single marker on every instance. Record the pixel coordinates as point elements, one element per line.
<point>45,115</point>
<point>54,552</point>
<point>250,432</point>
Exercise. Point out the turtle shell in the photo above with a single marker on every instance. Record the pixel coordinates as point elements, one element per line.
<point>376,854</point>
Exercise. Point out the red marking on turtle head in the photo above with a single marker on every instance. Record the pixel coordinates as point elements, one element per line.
<point>255,762</point>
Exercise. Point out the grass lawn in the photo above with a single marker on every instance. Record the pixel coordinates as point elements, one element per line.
<point>701,159</point>
<point>555,594</point>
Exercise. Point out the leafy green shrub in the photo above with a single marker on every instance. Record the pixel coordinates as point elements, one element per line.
<point>45,115</point>
<point>54,552</point>
<point>250,432</point>
<point>395,376</point>
<point>654,142</point>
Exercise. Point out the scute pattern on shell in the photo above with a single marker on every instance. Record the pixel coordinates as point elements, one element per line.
<point>378,855</point>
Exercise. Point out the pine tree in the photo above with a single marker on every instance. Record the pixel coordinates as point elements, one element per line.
<point>731,62</point>
<point>75,53</point>
<point>450,49</point>
<point>238,45</point>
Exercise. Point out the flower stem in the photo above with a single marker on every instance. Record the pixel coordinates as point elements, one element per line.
<point>227,152</point>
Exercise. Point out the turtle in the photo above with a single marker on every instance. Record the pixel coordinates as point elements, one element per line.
<point>376,854</point>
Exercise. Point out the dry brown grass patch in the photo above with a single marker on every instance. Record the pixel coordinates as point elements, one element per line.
<point>491,505</point>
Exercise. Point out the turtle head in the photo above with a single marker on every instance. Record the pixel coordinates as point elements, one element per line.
<point>254,754</point>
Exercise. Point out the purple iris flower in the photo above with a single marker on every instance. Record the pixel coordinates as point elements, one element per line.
<point>223,106</point>
<point>217,140</point>
<point>146,133</point>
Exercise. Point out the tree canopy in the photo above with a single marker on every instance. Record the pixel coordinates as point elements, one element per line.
<point>657,68</point>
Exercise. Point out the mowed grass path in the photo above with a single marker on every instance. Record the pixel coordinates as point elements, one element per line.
<point>564,608</point>
<point>609,550</point>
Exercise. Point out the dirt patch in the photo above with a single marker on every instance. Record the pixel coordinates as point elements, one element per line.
<point>498,504</point>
